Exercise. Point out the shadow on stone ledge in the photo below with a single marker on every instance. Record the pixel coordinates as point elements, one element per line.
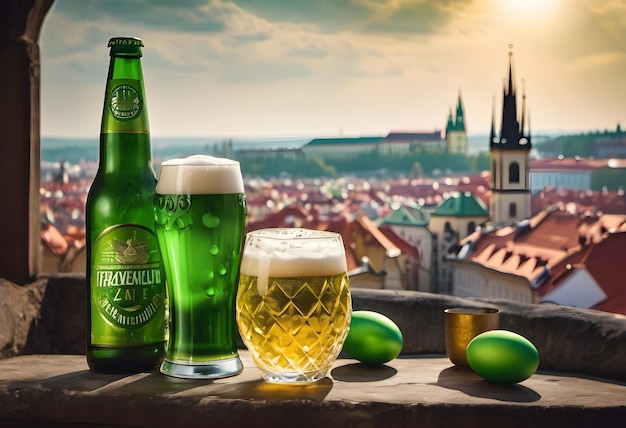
<point>47,317</point>
<point>470,383</point>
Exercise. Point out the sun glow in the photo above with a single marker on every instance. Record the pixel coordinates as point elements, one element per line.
<point>537,8</point>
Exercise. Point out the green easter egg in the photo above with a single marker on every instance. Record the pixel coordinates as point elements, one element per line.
<point>502,356</point>
<point>373,338</point>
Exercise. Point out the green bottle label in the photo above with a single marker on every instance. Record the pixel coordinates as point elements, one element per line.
<point>125,102</point>
<point>127,288</point>
<point>126,107</point>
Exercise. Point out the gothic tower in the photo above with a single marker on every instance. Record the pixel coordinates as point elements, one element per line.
<point>456,134</point>
<point>510,160</point>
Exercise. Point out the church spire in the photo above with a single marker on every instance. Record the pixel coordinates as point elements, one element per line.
<point>511,131</point>
<point>492,137</point>
<point>511,80</point>
<point>524,133</point>
<point>450,124</point>
<point>460,115</point>
<point>528,128</point>
<point>521,127</point>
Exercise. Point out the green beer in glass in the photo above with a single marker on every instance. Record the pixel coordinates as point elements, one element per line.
<point>200,215</point>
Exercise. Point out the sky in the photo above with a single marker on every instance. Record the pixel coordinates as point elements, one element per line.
<point>327,68</point>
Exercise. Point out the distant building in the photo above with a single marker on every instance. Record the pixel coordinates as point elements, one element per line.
<point>454,140</point>
<point>405,141</point>
<point>456,134</point>
<point>510,161</point>
<point>572,173</point>
<point>606,202</point>
<point>455,218</point>
<point>367,242</point>
<point>612,145</point>
<point>410,223</point>
<point>407,263</point>
<point>587,278</point>
<point>340,148</point>
<point>577,173</point>
<point>270,154</point>
<point>559,255</point>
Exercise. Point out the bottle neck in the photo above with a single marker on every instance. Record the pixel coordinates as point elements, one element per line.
<point>128,153</point>
<point>125,132</point>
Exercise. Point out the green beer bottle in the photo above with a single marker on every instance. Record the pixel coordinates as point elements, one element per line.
<point>125,296</point>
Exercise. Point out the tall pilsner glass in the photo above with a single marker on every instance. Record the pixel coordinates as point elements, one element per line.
<point>200,222</point>
<point>293,302</point>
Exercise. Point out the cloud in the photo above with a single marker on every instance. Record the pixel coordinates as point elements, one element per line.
<point>251,40</point>
<point>178,15</point>
<point>327,54</point>
<point>361,64</point>
<point>362,16</point>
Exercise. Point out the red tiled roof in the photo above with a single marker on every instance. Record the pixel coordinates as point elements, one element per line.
<point>556,231</point>
<point>53,239</point>
<point>558,239</point>
<point>586,200</point>
<point>404,246</point>
<point>280,219</point>
<point>601,260</point>
<point>339,223</point>
<point>379,238</point>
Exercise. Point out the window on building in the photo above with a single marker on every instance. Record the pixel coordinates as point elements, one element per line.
<point>514,173</point>
<point>512,210</point>
<point>449,234</point>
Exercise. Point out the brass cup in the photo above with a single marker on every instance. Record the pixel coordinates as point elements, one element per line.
<point>462,325</point>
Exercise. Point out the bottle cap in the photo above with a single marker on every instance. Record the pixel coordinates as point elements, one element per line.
<point>126,46</point>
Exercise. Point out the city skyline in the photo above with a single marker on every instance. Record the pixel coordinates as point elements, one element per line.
<point>264,68</point>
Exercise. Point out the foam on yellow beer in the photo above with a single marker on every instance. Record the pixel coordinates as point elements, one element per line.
<point>282,257</point>
<point>200,175</point>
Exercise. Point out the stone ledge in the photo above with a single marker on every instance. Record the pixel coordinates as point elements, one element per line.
<point>58,390</point>
<point>47,317</point>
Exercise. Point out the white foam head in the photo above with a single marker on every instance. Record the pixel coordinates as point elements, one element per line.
<point>284,252</point>
<point>200,175</point>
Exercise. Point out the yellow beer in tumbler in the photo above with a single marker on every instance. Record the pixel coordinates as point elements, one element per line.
<point>293,302</point>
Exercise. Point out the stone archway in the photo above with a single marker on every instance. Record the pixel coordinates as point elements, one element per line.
<point>20,26</point>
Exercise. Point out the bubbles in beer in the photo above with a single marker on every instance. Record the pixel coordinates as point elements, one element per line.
<point>210,220</point>
<point>214,250</point>
<point>183,221</point>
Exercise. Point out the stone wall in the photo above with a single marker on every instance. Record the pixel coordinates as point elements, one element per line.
<point>47,317</point>
<point>19,314</point>
<point>568,339</point>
